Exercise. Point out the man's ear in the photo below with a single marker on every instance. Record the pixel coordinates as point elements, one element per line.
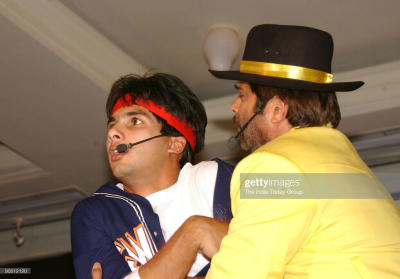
<point>280,110</point>
<point>177,145</point>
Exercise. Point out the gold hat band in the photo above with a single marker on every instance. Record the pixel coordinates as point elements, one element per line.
<point>284,71</point>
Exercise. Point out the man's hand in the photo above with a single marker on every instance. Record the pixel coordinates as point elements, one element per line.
<point>96,271</point>
<point>178,254</point>
<point>210,233</point>
<point>176,257</point>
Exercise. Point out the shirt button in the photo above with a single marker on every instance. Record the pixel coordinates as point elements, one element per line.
<point>155,233</point>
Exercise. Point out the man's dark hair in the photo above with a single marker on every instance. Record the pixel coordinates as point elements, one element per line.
<point>306,108</point>
<point>174,96</point>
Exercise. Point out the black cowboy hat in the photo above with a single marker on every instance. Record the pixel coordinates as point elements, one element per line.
<point>293,57</point>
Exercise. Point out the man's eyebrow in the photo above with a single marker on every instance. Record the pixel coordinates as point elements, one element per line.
<point>132,113</point>
<point>129,114</point>
<point>237,87</point>
<point>111,119</point>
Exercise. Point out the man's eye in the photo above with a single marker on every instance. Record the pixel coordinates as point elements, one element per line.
<point>110,126</point>
<point>136,121</point>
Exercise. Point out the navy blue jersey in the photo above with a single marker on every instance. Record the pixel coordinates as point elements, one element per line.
<point>121,231</point>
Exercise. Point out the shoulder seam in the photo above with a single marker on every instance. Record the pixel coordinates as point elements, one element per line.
<point>225,164</point>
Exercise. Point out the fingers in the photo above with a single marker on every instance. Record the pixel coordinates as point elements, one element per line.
<point>214,232</point>
<point>208,233</point>
<point>96,271</point>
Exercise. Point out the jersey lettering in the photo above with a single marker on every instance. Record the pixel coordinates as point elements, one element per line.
<point>137,249</point>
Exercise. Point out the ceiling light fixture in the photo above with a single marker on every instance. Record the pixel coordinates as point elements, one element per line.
<point>19,239</point>
<point>221,48</point>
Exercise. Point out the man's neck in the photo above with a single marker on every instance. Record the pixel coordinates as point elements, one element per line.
<point>145,185</point>
<point>280,129</point>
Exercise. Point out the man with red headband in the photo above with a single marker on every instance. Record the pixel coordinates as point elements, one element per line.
<point>156,125</point>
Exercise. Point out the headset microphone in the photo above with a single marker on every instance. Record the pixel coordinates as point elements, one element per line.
<point>123,147</point>
<point>234,141</point>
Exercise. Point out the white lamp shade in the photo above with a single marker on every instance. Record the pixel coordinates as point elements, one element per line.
<point>221,48</point>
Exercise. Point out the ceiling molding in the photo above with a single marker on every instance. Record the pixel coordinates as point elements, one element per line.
<point>376,140</point>
<point>14,167</point>
<point>72,39</point>
<point>40,207</point>
<point>44,240</point>
<point>380,92</point>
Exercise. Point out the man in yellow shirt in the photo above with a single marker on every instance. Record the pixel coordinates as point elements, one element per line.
<point>344,224</point>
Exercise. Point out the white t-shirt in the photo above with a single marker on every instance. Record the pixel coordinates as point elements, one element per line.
<point>192,194</point>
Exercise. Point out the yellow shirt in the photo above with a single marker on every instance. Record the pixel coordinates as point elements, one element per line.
<point>309,238</point>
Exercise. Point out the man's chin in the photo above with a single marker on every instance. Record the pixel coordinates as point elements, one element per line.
<point>120,172</point>
<point>250,147</point>
<point>244,146</point>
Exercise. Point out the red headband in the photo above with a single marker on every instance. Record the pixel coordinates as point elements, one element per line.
<point>188,133</point>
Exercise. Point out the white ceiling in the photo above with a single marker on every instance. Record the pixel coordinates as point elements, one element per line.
<point>58,60</point>
<point>169,34</point>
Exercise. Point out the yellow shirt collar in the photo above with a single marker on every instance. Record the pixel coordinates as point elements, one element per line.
<point>327,125</point>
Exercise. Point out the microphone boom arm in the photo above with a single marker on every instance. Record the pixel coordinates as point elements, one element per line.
<point>233,142</point>
<point>248,122</point>
<point>123,147</point>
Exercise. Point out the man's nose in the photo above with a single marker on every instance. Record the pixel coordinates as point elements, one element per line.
<point>115,133</point>
<point>235,106</point>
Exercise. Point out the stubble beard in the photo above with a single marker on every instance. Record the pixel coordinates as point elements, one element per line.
<point>253,137</point>
<point>121,172</point>
<point>135,169</point>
